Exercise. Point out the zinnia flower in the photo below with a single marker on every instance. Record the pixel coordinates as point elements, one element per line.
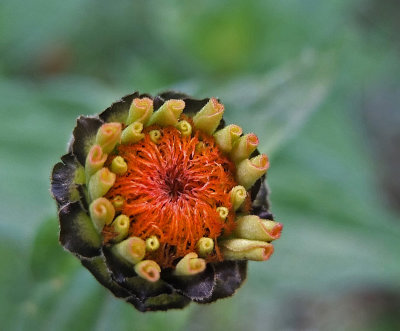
<point>162,202</point>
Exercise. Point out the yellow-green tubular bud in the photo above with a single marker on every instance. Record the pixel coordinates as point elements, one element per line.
<point>101,212</point>
<point>238,194</point>
<point>131,250</point>
<point>118,202</point>
<point>205,246</point>
<point>209,117</point>
<point>190,265</point>
<point>243,147</point>
<point>94,160</point>
<point>100,183</point>
<point>152,243</point>
<point>248,171</point>
<point>226,137</point>
<point>199,147</point>
<point>185,128</point>
<point>254,228</point>
<point>243,249</point>
<point>108,136</point>
<point>168,113</point>
<point>148,270</point>
<point>140,110</point>
<point>155,136</point>
<point>132,133</point>
<point>118,165</point>
<point>121,227</point>
<point>223,212</point>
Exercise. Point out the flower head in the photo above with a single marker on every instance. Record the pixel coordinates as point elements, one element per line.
<point>162,202</point>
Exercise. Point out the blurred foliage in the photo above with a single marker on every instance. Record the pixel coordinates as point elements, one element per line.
<point>294,72</point>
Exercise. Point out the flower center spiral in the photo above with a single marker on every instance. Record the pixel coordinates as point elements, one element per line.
<point>172,189</point>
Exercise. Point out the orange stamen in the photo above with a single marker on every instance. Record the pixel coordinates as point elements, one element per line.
<point>172,191</point>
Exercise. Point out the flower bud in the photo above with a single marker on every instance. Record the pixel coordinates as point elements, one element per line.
<point>223,212</point>
<point>140,111</point>
<point>108,136</point>
<point>248,171</point>
<point>100,183</point>
<point>148,270</point>
<point>243,147</point>
<point>209,117</point>
<point>121,227</point>
<point>131,250</point>
<point>226,137</point>
<point>190,265</point>
<point>132,133</point>
<point>155,136</point>
<point>185,128</point>
<point>152,243</point>
<point>243,249</point>
<point>118,165</point>
<point>254,228</point>
<point>94,160</point>
<point>205,246</point>
<point>118,202</point>
<point>101,212</point>
<point>238,194</point>
<point>168,113</point>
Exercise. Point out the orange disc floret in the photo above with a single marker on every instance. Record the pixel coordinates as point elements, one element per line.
<point>172,189</point>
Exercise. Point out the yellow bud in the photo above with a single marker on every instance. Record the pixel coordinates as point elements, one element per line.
<point>101,212</point>
<point>185,128</point>
<point>168,113</point>
<point>243,249</point>
<point>155,136</point>
<point>131,250</point>
<point>121,227</point>
<point>205,246</point>
<point>238,194</point>
<point>209,117</point>
<point>226,137</point>
<point>223,212</point>
<point>108,136</point>
<point>118,165</point>
<point>248,171</point>
<point>140,111</point>
<point>132,133</point>
<point>190,265</point>
<point>152,243</point>
<point>148,270</point>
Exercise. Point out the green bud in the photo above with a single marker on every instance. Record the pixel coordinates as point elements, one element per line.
<point>101,212</point>
<point>243,249</point>
<point>132,133</point>
<point>108,136</point>
<point>223,212</point>
<point>168,113</point>
<point>205,246</point>
<point>248,171</point>
<point>209,117</point>
<point>190,265</point>
<point>185,128</point>
<point>238,194</point>
<point>94,160</point>
<point>118,202</point>
<point>155,136</point>
<point>254,228</point>
<point>226,137</point>
<point>131,250</point>
<point>118,165</point>
<point>148,270</point>
<point>140,111</point>
<point>244,147</point>
<point>100,183</point>
<point>121,227</point>
<point>152,243</point>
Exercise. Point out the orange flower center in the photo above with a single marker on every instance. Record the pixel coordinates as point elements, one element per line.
<point>172,189</point>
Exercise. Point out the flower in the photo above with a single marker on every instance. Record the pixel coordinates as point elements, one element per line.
<point>162,202</point>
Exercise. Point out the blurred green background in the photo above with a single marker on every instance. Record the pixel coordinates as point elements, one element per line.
<point>317,81</point>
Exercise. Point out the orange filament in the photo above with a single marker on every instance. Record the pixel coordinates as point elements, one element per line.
<point>172,190</point>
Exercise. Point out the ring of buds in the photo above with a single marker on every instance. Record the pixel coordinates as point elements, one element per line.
<point>162,202</point>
